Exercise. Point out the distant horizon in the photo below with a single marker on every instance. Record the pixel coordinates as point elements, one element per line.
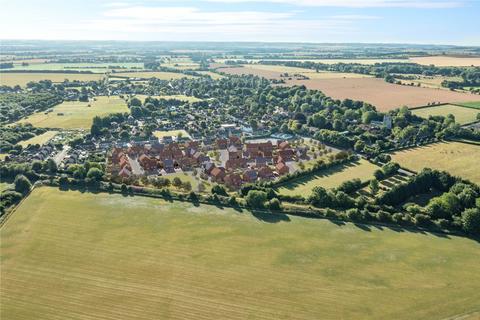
<point>243,42</point>
<point>436,22</point>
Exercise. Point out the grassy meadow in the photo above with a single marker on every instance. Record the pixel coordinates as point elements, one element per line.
<point>40,139</point>
<point>330,178</point>
<point>458,158</point>
<point>473,104</point>
<point>73,255</point>
<point>462,115</point>
<point>21,79</point>
<point>76,114</point>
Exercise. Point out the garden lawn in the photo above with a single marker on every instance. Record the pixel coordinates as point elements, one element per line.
<point>73,255</point>
<point>77,115</point>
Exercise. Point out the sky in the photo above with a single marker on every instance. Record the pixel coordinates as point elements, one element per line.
<point>369,21</point>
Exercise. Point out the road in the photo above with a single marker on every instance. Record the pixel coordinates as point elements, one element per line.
<point>58,158</point>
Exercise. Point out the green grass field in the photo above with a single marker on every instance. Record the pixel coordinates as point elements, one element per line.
<point>330,178</point>
<point>21,79</point>
<point>458,158</point>
<point>75,114</point>
<point>72,255</point>
<point>40,139</point>
<point>172,133</point>
<point>156,74</point>
<point>4,186</point>
<point>473,104</point>
<point>462,115</point>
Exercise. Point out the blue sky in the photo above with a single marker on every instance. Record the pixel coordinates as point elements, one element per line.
<point>373,21</point>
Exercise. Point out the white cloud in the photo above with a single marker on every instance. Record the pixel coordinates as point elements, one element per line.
<point>431,4</point>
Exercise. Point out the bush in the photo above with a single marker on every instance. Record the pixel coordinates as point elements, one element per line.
<point>220,190</point>
<point>256,198</point>
<point>471,221</point>
<point>274,204</point>
<point>22,184</point>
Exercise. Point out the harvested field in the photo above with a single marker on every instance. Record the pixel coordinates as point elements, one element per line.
<point>446,61</point>
<point>73,255</point>
<point>148,75</point>
<point>275,72</point>
<point>462,115</point>
<point>80,66</point>
<point>40,139</point>
<point>177,97</point>
<point>21,79</point>
<point>385,96</point>
<point>330,178</point>
<point>460,159</point>
<point>75,114</point>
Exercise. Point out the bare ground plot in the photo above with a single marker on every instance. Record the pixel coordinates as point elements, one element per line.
<point>21,79</point>
<point>72,255</point>
<point>385,96</point>
<point>462,115</point>
<point>330,178</point>
<point>460,159</point>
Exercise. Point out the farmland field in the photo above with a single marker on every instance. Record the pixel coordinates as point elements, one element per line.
<point>462,115</point>
<point>81,66</point>
<point>40,139</point>
<point>177,97</point>
<point>275,72</point>
<point>213,75</point>
<point>430,81</point>
<point>172,133</point>
<point>458,158</point>
<point>445,61</point>
<point>21,79</point>
<point>72,255</point>
<point>75,114</point>
<point>155,74</point>
<point>330,178</point>
<point>474,104</point>
<point>385,96</point>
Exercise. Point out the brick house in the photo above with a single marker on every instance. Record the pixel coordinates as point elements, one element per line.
<point>282,168</point>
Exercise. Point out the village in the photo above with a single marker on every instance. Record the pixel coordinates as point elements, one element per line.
<point>229,161</point>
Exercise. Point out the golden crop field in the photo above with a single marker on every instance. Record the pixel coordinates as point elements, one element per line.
<point>73,255</point>
<point>330,178</point>
<point>447,61</point>
<point>75,114</point>
<point>460,159</point>
<point>21,79</point>
<point>276,72</point>
<point>40,139</point>
<point>462,115</point>
<point>181,97</point>
<point>154,74</point>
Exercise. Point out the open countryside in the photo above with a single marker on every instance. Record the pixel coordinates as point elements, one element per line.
<point>262,160</point>
<point>202,259</point>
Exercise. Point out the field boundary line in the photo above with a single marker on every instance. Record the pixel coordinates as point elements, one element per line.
<point>6,216</point>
